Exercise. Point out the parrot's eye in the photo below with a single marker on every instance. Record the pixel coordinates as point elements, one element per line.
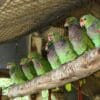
<point>84,18</point>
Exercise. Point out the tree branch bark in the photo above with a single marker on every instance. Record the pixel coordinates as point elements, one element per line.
<point>83,66</point>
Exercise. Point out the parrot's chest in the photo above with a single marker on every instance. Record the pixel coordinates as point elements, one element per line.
<point>75,33</point>
<point>91,31</point>
<point>61,47</point>
<point>53,58</point>
<point>37,64</point>
<point>52,54</point>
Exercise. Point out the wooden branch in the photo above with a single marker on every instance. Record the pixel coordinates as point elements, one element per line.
<point>4,72</point>
<point>83,66</point>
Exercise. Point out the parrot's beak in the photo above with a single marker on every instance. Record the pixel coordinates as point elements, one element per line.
<point>66,24</point>
<point>81,23</point>
<point>50,37</point>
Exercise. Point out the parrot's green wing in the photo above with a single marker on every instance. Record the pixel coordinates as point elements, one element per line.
<point>97,37</point>
<point>28,68</point>
<point>17,76</point>
<point>32,69</point>
<point>53,58</point>
<point>64,51</point>
<point>46,64</point>
<point>38,67</point>
<point>94,33</point>
<point>98,25</point>
<point>87,40</point>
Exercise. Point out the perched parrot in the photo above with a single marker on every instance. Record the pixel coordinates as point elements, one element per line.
<point>51,55</point>
<point>92,25</point>
<point>28,68</point>
<point>64,52</point>
<point>41,66</point>
<point>63,49</point>
<point>16,73</point>
<point>77,36</point>
<point>17,77</point>
<point>35,57</point>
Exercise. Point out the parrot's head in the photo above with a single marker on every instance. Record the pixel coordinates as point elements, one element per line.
<point>11,65</point>
<point>24,61</point>
<point>33,55</point>
<point>50,36</point>
<point>30,55</point>
<point>70,21</point>
<point>53,36</point>
<point>87,20</point>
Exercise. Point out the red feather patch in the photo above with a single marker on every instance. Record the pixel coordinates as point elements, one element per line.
<point>98,31</point>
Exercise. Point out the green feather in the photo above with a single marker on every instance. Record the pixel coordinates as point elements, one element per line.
<point>92,25</point>
<point>64,51</point>
<point>28,68</point>
<point>16,73</point>
<point>78,37</point>
<point>53,58</point>
<point>41,66</point>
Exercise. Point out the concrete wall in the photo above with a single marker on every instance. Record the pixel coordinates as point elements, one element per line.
<point>12,51</point>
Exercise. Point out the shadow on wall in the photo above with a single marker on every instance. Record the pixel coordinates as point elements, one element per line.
<point>13,51</point>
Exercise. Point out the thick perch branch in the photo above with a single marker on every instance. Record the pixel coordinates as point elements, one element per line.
<point>81,67</point>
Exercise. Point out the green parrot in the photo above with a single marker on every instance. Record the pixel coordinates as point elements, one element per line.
<point>51,55</point>
<point>28,68</point>
<point>17,77</point>
<point>36,59</point>
<point>77,36</point>
<point>92,25</point>
<point>41,66</point>
<point>63,50</point>
<point>16,73</point>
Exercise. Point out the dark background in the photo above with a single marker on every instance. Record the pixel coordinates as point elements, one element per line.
<point>13,51</point>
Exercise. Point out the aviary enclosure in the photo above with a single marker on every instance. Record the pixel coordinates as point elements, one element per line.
<point>54,67</point>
